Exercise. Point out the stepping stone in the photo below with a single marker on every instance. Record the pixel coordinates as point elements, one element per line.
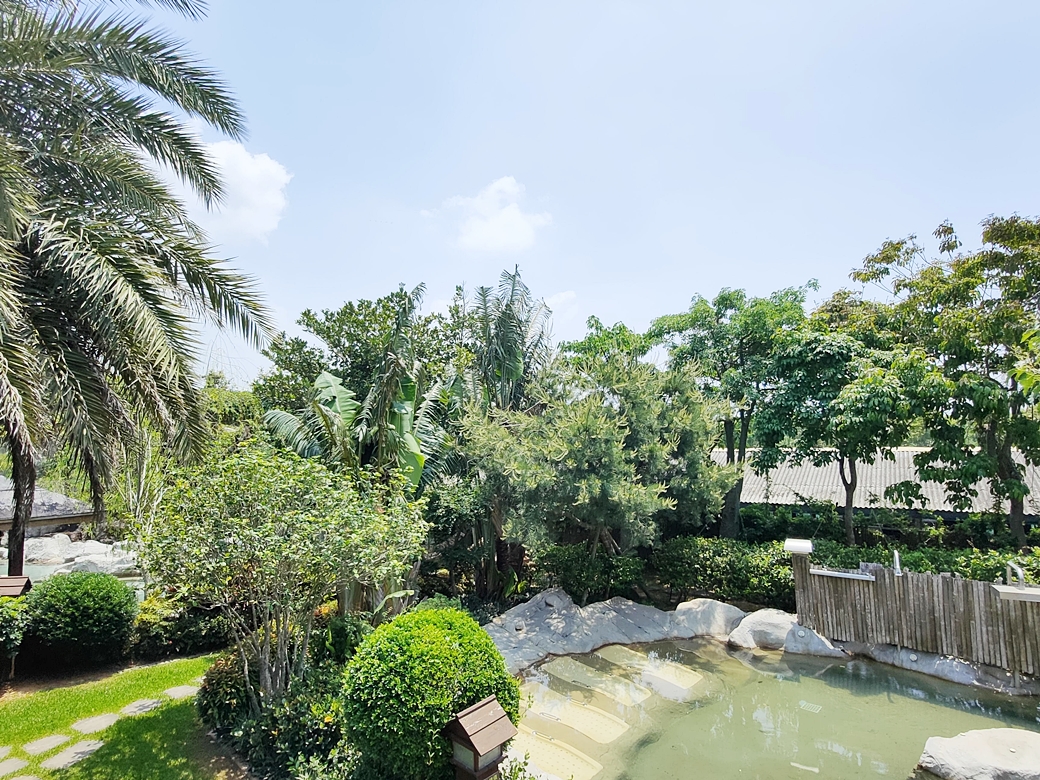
<point>181,691</point>
<point>11,765</point>
<point>71,755</point>
<point>141,706</point>
<point>4,751</point>
<point>95,724</point>
<point>25,777</point>
<point>45,745</point>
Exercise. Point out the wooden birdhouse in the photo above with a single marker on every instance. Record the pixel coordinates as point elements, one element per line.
<point>478,735</point>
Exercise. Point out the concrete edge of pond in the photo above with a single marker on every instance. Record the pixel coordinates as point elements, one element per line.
<point>551,623</point>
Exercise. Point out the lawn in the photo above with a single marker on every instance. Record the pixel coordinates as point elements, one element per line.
<point>166,744</point>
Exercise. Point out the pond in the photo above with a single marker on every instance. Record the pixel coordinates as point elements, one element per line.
<point>694,708</point>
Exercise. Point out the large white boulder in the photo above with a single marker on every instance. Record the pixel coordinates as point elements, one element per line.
<point>986,754</point>
<point>804,641</point>
<point>48,549</point>
<point>705,617</point>
<point>766,629</point>
<point>117,566</point>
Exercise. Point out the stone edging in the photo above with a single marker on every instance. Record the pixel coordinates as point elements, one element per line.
<point>551,624</point>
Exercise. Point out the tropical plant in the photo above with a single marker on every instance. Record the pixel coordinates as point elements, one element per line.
<point>103,273</point>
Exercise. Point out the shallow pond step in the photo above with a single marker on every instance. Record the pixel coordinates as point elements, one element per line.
<point>667,678</point>
<point>554,757</point>
<point>593,722</point>
<point>621,690</point>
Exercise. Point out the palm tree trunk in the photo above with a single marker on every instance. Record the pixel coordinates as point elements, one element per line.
<point>23,475</point>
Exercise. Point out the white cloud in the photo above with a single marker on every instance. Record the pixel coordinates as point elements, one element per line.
<point>561,300</point>
<point>254,195</point>
<point>493,220</point>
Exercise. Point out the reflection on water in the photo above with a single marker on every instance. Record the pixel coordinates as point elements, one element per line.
<point>752,715</point>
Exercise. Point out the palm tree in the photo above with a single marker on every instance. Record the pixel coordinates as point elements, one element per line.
<point>395,428</point>
<point>510,340</point>
<point>104,274</point>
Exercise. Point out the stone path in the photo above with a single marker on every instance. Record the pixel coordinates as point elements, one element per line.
<point>80,750</point>
<point>45,745</point>
<point>11,765</point>
<point>71,755</point>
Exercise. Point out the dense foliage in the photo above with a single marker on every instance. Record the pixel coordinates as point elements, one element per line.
<point>82,618</point>
<point>265,535</point>
<point>13,621</point>
<point>408,680</point>
<point>570,567</point>
<point>166,627</point>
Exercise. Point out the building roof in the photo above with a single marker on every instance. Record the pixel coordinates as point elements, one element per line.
<point>789,484</point>
<point>49,508</point>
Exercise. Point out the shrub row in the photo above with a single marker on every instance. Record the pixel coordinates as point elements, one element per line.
<point>761,573</point>
<point>584,578</point>
<point>85,619</point>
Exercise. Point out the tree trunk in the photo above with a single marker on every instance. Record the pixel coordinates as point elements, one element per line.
<point>736,452</point>
<point>849,482</point>
<point>1008,470</point>
<point>23,475</point>
<point>729,523</point>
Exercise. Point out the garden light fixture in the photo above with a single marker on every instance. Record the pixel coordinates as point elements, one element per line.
<point>478,734</point>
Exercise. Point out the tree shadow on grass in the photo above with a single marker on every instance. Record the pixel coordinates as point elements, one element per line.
<point>167,744</point>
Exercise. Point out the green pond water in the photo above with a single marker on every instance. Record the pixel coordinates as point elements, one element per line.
<point>694,709</point>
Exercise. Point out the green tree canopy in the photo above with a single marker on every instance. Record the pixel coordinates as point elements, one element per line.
<point>969,312</point>
<point>730,341</point>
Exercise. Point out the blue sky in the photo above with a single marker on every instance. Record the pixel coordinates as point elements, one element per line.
<point>626,155</point>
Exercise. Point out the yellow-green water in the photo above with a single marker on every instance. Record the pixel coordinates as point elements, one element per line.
<point>757,715</point>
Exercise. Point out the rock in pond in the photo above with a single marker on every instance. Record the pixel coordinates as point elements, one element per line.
<point>766,629</point>
<point>706,617</point>
<point>985,754</point>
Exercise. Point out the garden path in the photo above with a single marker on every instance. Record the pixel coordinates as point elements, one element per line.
<point>14,758</point>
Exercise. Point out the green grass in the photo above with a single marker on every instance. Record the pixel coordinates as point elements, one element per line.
<point>168,743</point>
<point>53,711</point>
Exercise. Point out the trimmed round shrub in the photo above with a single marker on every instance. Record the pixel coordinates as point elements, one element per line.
<point>408,679</point>
<point>82,618</point>
<point>13,620</point>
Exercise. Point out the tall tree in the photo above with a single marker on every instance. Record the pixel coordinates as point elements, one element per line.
<point>103,271</point>
<point>969,311</point>
<point>731,341</point>
<point>832,401</point>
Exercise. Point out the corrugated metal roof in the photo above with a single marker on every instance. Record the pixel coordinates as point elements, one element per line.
<point>789,484</point>
<point>46,504</point>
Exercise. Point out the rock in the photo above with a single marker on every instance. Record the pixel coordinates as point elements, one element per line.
<point>804,641</point>
<point>945,668</point>
<point>48,549</point>
<point>766,629</point>
<point>123,566</point>
<point>986,754</point>
<point>705,617</point>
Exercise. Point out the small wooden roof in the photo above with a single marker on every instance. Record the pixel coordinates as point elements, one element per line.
<point>484,726</point>
<point>14,586</point>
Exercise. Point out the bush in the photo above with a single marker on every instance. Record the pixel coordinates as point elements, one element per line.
<point>727,569</point>
<point>222,701</point>
<point>570,567</point>
<point>305,723</point>
<point>767,523</point>
<point>406,682</point>
<point>166,627</point>
<point>337,640</point>
<point>82,618</point>
<point>13,622</point>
